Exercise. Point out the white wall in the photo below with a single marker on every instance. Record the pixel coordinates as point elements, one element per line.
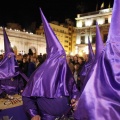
<point>23,41</point>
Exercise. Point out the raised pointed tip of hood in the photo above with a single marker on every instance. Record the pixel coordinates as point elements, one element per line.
<point>53,44</point>
<point>99,42</point>
<point>91,53</point>
<point>114,31</point>
<point>7,45</point>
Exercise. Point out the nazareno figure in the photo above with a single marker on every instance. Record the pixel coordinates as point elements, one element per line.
<point>11,77</point>
<point>51,87</point>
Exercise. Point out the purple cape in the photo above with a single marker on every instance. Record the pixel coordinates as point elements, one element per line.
<point>53,78</point>
<point>100,99</point>
<point>99,49</point>
<point>8,66</point>
<point>10,74</point>
<point>88,64</point>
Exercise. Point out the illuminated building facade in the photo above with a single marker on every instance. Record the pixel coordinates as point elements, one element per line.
<point>66,34</point>
<point>21,42</point>
<point>86,27</point>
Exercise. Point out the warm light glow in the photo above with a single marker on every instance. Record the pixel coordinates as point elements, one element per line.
<point>71,54</point>
<point>101,21</point>
<point>86,50</point>
<point>86,39</point>
<point>66,53</point>
<point>105,10</point>
<point>109,19</point>
<point>78,41</point>
<point>102,6</point>
<point>31,33</point>
<point>76,49</point>
<point>88,22</point>
<point>12,45</point>
<point>78,15</point>
<point>79,23</point>
<point>80,53</point>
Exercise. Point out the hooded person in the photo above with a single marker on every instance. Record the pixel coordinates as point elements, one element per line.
<point>51,86</point>
<point>85,75</point>
<point>8,66</point>
<point>82,74</point>
<point>10,80</point>
<point>100,98</point>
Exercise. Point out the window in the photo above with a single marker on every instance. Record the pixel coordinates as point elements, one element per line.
<point>83,24</point>
<point>66,41</point>
<point>82,39</point>
<point>94,22</point>
<point>93,38</point>
<point>106,21</point>
<point>66,36</point>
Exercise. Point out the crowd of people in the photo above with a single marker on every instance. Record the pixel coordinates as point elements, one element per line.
<point>53,90</point>
<point>29,63</point>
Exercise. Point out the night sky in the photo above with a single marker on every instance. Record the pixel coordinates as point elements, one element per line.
<point>26,12</point>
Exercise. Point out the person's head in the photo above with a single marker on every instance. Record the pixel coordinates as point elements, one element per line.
<point>76,67</point>
<point>68,59</point>
<point>1,57</point>
<point>19,57</point>
<point>80,60</point>
<point>75,58</point>
<point>86,57</point>
<point>33,59</point>
<point>40,54</point>
<point>37,60</point>
<point>24,59</point>
<point>44,57</point>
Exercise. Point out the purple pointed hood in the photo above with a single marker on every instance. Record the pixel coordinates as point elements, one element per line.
<point>53,44</point>
<point>91,53</point>
<point>8,66</point>
<point>53,78</point>
<point>100,98</point>
<point>114,31</point>
<point>88,64</point>
<point>99,42</point>
<point>7,45</point>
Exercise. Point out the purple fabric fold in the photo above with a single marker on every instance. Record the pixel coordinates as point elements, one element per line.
<point>8,67</point>
<point>88,64</point>
<point>46,84</point>
<point>100,98</point>
<point>32,112</point>
<point>12,86</point>
<point>53,78</point>
<point>49,117</point>
<point>10,80</point>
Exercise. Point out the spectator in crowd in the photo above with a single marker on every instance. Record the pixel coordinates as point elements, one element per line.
<point>37,63</point>
<point>75,60</point>
<point>31,66</point>
<point>19,60</point>
<point>1,57</point>
<point>25,68</point>
<point>70,64</point>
